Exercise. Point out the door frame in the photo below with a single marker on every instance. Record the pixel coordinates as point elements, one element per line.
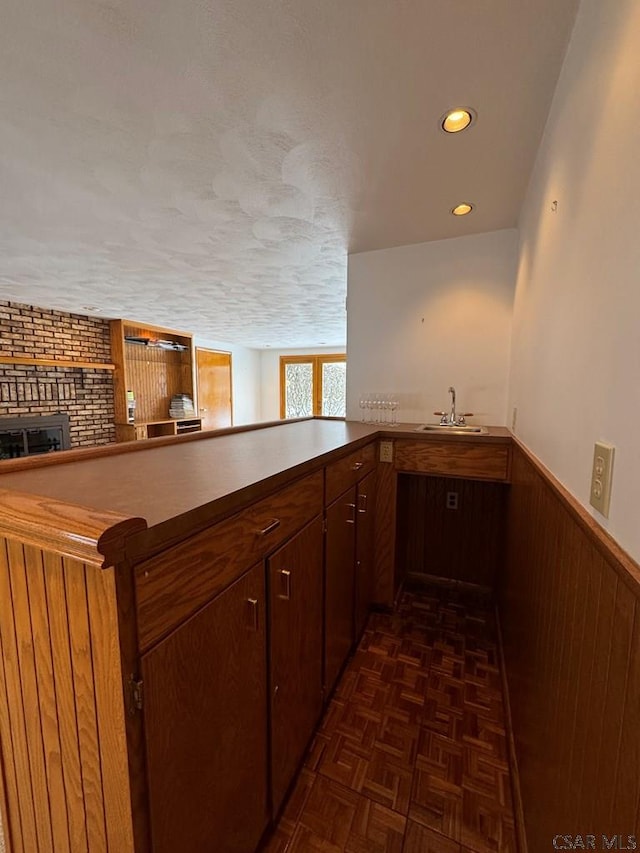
<point>317,361</point>
<point>219,352</point>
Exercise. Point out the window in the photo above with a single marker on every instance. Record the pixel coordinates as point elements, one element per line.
<point>313,385</point>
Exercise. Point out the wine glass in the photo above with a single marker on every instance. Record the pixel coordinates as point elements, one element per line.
<point>369,408</point>
<point>394,403</point>
<point>376,408</point>
<point>386,408</point>
<point>362,403</point>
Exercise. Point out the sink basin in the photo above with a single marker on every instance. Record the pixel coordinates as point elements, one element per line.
<point>454,430</point>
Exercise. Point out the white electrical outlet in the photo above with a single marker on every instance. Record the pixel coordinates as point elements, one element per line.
<point>601,476</point>
<point>386,451</point>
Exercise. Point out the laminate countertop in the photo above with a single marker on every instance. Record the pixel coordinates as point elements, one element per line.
<point>205,475</point>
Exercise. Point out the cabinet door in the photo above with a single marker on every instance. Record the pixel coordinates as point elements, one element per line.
<point>295,598</point>
<point>339,584</point>
<point>205,719</point>
<point>365,558</point>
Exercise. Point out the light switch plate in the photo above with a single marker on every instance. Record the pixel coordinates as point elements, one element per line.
<point>601,476</point>
<point>386,451</point>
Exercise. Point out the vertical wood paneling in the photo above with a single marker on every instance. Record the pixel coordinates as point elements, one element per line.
<point>580,631</point>
<point>81,663</point>
<point>65,701</point>
<point>28,680</point>
<point>5,838</point>
<point>21,820</point>
<point>463,544</point>
<point>623,618</point>
<point>62,729</point>
<point>589,784</point>
<point>571,640</point>
<point>627,791</point>
<point>107,681</point>
<point>47,705</point>
<point>590,601</point>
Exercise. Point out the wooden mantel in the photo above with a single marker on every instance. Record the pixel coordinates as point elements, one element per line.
<point>55,362</point>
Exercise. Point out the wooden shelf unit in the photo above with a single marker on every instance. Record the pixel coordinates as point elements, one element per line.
<point>153,429</point>
<point>154,374</point>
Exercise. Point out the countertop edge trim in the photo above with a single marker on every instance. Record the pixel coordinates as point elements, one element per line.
<point>95,537</point>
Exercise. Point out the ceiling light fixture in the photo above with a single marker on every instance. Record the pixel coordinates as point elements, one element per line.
<point>453,121</point>
<point>462,209</point>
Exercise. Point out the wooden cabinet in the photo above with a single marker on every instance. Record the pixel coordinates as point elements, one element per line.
<point>205,722</point>
<point>469,458</point>
<point>195,649</point>
<point>349,555</point>
<point>339,584</point>
<point>365,543</point>
<point>153,372</point>
<point>178,581</point>
<point>348,470</point>
<point>295,604</point>
<point>202,634</point>
<point>479,460</point>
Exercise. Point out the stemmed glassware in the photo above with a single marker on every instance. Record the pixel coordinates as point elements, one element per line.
<point>393,403</point>
<point>377,408</point>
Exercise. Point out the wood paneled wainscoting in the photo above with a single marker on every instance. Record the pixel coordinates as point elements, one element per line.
<point>569,599</point>
<point>65,767</point>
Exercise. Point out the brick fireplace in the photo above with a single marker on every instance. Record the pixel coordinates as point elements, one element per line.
<point>84,394</point>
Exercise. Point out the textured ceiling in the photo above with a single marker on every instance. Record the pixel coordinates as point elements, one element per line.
<point>209,165</point>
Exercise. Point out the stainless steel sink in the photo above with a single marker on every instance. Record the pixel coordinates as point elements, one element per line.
<point>453,430</point>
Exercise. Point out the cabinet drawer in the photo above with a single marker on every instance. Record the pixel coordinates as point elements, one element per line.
<point>174,584</point>
<point>346,472</point>
<point>458,459</point>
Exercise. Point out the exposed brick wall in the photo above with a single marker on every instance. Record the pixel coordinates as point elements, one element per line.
<point>86,395</point>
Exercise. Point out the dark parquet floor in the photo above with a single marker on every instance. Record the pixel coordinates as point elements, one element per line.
<point>411,756</point>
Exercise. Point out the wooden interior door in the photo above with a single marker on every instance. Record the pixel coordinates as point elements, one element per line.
<point>339,584</point>
<point>205,720</point>
<point>295,598</point>
<point>213,370</point>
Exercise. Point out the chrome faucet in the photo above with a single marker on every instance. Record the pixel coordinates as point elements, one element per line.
<point>452,419</point>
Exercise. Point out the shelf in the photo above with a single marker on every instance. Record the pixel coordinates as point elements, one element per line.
<point>153,429</point>
<point>53,362</point>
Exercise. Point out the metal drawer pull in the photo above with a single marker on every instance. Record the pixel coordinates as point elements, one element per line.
<point>253,613</point>
<point>285,574</point>
<point>357,466</point>
<point>352,507</point>
<point>273,525</point>
<point>363,503</point>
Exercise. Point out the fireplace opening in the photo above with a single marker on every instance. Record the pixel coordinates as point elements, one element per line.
<point>27,436</point>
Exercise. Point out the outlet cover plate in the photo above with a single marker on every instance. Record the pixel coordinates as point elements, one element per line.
<point>386,451</point>
<point>601,477</point>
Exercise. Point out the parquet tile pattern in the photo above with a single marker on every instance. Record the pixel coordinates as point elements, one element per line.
<point>411,756</point>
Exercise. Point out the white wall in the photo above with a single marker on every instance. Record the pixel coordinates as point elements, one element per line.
<point>271,376</point>
<point>423,317</point>
<point>245,379</point>
<point>576,343</point>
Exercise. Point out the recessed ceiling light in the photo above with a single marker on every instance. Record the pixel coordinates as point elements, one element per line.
<point>462,209</point>
<point>453,121</point>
